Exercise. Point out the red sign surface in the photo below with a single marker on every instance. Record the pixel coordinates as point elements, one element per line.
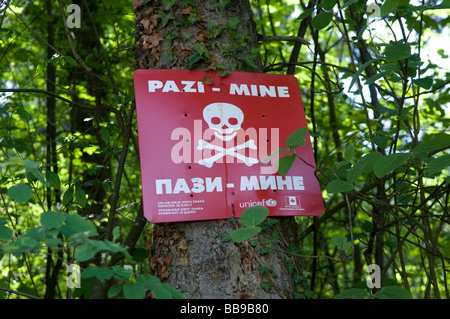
<point>203,139</point>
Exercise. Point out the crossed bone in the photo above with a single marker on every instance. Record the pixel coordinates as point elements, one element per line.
<point>208,162</point>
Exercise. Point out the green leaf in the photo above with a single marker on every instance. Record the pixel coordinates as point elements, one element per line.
<point>266,285</point>
<point>122,273</point>
<point>241,234</point>
<point>328,4</point>
<point>26,243</point>
<point>347,3</point>
<point>339,186</point>
<point>110,246</point>
<point>341,242</point>
<point>38,174</point>
<point>133,290</point>
<point>168,4</point>
<point>297,138</point>
<point>116,233</point>
<point>91,247</point>
<point>381,140</point>
<point>321,20</point>
<point>437,164</point>
<point>285,163</point>
<point>355,172</point>
<point>248,60</point>
<point>201,49</point>
<point>388,7</point>
<point>367,226</point>
<point>376,77</point>
<point>36,233</point>
<point>101,273</point>
<point>114,291</point>
<point>369,160</point>
<point>148,281</point>
<point>53,179</point>
<point>348,153</point>
<point>389,163</point>
<point>20,192</point>
<point>393,292</point>
<point>268,158</point>
<point>71,62</point>
<point>80,196</point>
<point>424,83</point>
<point>435,143</point>
<point>75,224</point>
<point>352,293</point>
<point>306,13</point>
<point>225,237</point>
<point>23,114</point>
<point>359,71</point>
<point>53,242</point>
<point>233,22</point>
<point>5,232</point>
<point>104,134</point>
<point>446,249</point>
<point>396,52</point>
<point>52,220</point>
<point>162,291</point>
<point>165,17</point>
<point>224,3</point>
<point>254,215</point>
<point>390,67</point>
<point>86,251</point>
<point>68,195</point>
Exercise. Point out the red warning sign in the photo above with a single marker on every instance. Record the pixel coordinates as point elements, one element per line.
<point>203,140</point>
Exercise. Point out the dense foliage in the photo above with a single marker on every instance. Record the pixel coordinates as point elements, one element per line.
<point>375,88</point>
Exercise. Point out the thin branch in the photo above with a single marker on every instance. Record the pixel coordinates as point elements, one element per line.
<point>301,256</point>
<point>37,35</point>
<point>19,293</point>
<point>40,91</point>
<point>283,38</point>
<point>69,40</point>
<point>121,166</point>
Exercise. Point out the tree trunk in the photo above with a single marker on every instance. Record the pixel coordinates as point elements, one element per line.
<point>191,256</point>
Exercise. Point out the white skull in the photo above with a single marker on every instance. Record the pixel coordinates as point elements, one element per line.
<point>224,118</point>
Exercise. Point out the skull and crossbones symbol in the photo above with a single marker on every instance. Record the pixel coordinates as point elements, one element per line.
<point>225,119</point>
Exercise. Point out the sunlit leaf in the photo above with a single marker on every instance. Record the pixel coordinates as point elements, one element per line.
<point>297,138</point>
<point>241,234</point>
<point>435,143</point>
<point>388,6</point>
<point>438,164</point>
<point>395,52</point>
<point>285,163</point>
<point>254,215</point>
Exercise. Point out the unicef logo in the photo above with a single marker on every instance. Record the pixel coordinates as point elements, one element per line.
<point>271,203</point>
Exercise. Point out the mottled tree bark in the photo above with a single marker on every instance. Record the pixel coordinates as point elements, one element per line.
<point>192,256</point>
